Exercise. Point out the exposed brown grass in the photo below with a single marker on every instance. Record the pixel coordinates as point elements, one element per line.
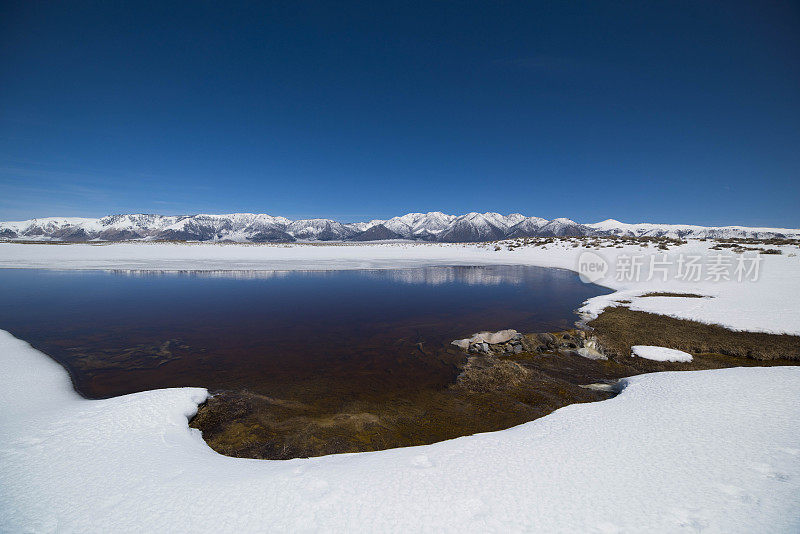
<point>486,375</point>
<point>244,424</point>
<point>619,328</point>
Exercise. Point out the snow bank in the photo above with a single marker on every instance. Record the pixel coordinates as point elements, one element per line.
<point>772,304</point>
<point>660,354</point>
<point>673,452</point>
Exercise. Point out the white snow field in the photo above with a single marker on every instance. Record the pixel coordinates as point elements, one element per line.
<point>660,354</point>
<point>717,451</point>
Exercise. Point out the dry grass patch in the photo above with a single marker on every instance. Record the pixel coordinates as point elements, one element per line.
<point>619,328</point>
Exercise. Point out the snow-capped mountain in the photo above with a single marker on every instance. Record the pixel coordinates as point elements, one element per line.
<point>479,227</point>
<point>419,225</point>
<point>611,226</point>
<point>527,227</point>
<point>320,230</point>
<point>535,226</point>
<point>433,226</point>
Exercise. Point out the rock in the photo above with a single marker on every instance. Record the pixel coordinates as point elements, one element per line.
<point>548,340</point>
<point>480,342</point>
<point>503,336</point>
<point>589,353</point>
<point>577,343</point>
<point>462,344</point>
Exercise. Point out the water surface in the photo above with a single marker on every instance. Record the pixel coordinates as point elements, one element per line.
<point>298,334</point>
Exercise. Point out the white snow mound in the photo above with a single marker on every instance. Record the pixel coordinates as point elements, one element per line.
<point>660,354</point>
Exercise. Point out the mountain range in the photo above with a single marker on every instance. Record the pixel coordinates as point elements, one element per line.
<point>432,226</point>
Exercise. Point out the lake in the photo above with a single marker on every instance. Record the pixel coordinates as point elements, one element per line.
<point>326,339</point>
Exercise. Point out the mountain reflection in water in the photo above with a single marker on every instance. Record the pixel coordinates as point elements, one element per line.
<point>293,333</point>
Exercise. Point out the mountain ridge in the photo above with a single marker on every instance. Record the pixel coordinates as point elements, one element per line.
<point>433,226</point>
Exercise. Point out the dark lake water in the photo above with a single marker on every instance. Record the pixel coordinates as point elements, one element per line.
<point>298,334</point>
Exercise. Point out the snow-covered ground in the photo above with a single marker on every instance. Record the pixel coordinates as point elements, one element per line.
<point>660,354</point>
<point>716,451</point>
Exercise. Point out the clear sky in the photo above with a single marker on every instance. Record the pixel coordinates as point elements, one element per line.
<point>641,111</point>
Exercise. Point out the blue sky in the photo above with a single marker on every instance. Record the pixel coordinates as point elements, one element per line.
<point>666,112</point>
